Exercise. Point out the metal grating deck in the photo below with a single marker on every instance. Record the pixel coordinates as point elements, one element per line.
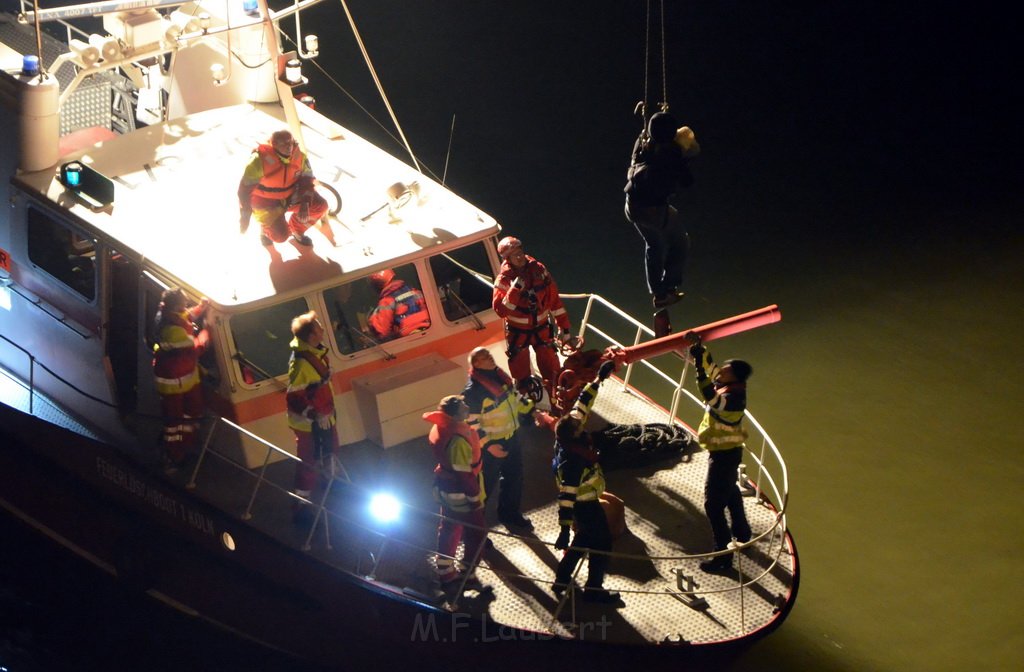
<point>664,519</point>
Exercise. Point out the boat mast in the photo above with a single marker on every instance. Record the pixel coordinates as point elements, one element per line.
<point>284,90</point>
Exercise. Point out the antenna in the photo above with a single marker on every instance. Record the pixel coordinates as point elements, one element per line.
<point>451,134</point>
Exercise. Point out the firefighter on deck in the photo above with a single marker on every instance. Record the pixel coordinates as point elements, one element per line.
<point>721,433</point>
<point>180,344</point>
<point>310,402</point>
<point>526,297</point>
<point>495,412</point>
<point>580,482</point>
<point>277,181</point>
<point>400,309</point>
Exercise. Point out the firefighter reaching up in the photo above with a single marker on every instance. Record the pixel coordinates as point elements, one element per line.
<point>721,433</point>
<point>526,297</point>
<point>181,341</point>
<point>580,481</point>
<point>278,181</point>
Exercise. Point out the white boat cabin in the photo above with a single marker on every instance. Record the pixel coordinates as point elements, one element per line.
<point>82,274</point>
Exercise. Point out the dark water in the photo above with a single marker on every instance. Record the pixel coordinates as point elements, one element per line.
<point>860,167</point>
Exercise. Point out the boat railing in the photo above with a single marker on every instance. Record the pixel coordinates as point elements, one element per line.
<point>30,386</point>
<point>390,555</point>
<point>771,477</point>
<point>369,547</point>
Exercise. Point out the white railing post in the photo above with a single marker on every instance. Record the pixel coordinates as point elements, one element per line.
<point>191,485</point>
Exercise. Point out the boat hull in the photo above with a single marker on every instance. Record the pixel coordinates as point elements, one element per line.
<point>161,540</point>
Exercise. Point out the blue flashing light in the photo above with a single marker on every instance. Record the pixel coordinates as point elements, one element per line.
<point>385,508</point>
<point>30,65</point>
<point>250,7</point>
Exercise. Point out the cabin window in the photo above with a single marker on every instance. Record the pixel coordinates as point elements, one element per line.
<point>262,340</point>
<point>381,307</point>
<point>64,254</point>
<point>463,280</point>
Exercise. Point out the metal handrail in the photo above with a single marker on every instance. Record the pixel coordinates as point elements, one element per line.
<point>678,389</point>
<point>774,534</point>
<point>31,373</point>
<point>764,480</point>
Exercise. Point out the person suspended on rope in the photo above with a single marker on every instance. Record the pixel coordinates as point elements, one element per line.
<point>659,167</point>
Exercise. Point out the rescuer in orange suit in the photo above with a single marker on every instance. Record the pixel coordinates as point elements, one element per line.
<point>400,309</point>
<point>526,296</point>
<point>277,181</point>
<point>180,344</point>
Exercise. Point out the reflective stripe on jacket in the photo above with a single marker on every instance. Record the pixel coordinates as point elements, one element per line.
<point>176,355</point>
<point>459,462</point>
<point>535,303</point>
<point>400,311</point>
<point>721,427</point>
<point>494,404</point>
<point>277,177</point>
<point>578,474</point>
<point>309,390</point>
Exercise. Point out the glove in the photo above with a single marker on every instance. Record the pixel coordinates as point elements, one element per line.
<point>606,370</point>
<point>323,421</point>
<point>696,347</point>
<point>519,284</point>
<point>562,542</point>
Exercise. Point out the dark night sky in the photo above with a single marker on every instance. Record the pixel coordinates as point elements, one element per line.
<point>807,113</point>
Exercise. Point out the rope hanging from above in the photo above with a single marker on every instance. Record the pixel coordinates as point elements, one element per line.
<point>643,106</point>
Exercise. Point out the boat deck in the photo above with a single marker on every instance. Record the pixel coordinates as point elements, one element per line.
<point>666,597</point>
<point>664,519</point>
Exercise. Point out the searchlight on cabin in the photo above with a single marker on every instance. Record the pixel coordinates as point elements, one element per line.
<point>385,508</point>
<point>218,74</point>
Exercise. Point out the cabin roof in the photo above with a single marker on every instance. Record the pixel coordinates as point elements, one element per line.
<point>176,206</point>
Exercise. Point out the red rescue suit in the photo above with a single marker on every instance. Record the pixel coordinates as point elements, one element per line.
<point>275,186</point>
<point>176,372</point>
<point>400,311</point>
<point>527,298</point>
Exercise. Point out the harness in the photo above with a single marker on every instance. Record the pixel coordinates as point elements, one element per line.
<point>518,339</point>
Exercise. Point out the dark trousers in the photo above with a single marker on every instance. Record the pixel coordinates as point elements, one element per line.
<point>666,245</point>
<point>591,532</point>
<point>721,493</point>
<point>509,471</point>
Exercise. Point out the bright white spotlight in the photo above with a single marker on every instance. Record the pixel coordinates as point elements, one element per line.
<point>385,508</point>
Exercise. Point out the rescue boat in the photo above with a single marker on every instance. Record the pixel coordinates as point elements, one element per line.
<point>131,135</point>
